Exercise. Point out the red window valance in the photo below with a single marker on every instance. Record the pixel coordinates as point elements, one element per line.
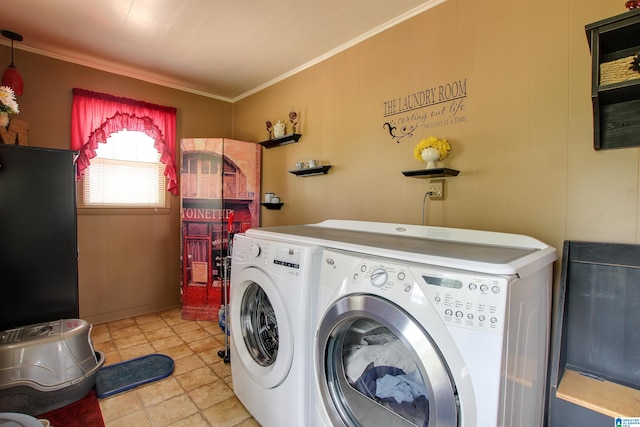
<point>95,116</point>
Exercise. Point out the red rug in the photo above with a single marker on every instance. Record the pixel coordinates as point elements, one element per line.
<point>82,413</point>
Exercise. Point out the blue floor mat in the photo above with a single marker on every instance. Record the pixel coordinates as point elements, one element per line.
<point>123,376</point>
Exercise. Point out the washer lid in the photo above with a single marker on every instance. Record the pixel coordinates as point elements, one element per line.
<point>482,251</point>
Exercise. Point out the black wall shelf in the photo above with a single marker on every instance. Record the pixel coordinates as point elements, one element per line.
<point>273,206</point>
<point>320,170</point>
<point>431,173</point>
<point>615,86</point>
<point>283,140</point>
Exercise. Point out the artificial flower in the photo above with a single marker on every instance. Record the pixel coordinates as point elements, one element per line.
<point>293,118</point>
<point>442,145</point>
<point>8,102</point>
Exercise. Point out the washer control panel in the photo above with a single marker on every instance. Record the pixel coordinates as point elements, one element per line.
<point>264,252</point>
<point>287,256</point>
<point>461,299</point>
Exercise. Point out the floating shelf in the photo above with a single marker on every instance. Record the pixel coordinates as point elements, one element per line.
<point>320,170</point>
<point>283,140</point>
<point>275,206</point>
<point>431,173</point>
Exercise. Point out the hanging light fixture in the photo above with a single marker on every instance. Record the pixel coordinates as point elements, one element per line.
<point>11,76</point>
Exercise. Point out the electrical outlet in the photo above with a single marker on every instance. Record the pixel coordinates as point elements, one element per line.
<point>436,188</point>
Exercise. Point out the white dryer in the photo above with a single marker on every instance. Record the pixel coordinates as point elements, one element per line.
<point>270,314</point>
<point>428,326</point>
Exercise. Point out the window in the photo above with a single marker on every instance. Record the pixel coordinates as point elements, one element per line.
<point>126,172</point>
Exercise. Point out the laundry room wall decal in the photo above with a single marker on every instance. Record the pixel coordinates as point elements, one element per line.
<point>440,105</point>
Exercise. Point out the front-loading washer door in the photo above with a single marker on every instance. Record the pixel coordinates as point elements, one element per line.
<point>261,328</point>
<point>376,366</point>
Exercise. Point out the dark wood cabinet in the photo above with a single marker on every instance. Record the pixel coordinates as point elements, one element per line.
<point>594,371</point>
<point>38,236</point>
<point>615,86</point>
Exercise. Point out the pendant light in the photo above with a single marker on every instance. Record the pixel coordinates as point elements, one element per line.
<point>11,76</point>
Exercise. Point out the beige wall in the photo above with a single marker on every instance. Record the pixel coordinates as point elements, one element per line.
<point>129,264</point>
<point>525,152</point>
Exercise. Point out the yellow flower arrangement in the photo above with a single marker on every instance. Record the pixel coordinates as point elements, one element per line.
<point>442,145</point>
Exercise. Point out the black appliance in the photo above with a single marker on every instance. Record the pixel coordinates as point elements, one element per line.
<point>38,236</point>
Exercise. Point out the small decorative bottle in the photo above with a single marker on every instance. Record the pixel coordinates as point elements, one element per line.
<point>279,129</point>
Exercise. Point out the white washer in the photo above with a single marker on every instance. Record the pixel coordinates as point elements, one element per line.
<point>270,314</point>
<point>464,314</point>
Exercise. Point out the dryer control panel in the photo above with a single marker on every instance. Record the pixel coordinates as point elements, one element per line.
<point>467,301</point>
<point>461,299</point>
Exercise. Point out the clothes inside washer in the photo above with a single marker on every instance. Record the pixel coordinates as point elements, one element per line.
<point>386,350</point>
<point>380,368</point>
<point>415,410</point>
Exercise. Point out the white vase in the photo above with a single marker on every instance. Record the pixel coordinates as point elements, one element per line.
<point>430,155</point>
<point>4,119</point>
<point>279,129</point>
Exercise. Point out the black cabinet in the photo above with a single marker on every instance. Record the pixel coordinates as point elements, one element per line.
<point>38,236</point>
<point>594,373</point>
<point>615,85</point>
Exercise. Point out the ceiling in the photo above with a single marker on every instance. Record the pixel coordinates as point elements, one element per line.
<point>225,49</point>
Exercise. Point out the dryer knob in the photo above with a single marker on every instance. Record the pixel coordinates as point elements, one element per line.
<point>379,277</point>
<point>256,250</point>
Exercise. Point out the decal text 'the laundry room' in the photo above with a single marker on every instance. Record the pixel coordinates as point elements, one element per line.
<point>440,105</point>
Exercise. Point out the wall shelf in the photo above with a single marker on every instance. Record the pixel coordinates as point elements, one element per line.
<point>320,170</point>
<point>615,87</point>
<point>273,206</point>
<point>431,173</point>
<point>283,140</point>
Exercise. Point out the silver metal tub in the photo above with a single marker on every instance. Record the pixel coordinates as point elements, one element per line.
<point>46,366</point>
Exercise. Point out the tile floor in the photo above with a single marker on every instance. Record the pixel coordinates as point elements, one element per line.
<point>198,393</point>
